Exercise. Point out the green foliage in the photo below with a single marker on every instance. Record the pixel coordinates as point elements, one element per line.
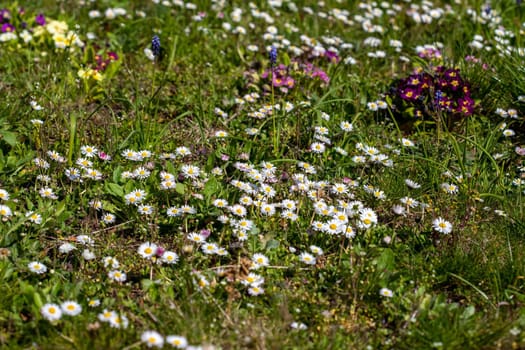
<point>208,194</point>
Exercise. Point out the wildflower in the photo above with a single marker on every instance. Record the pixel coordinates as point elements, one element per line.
<point>152,339</point>
<point>145,209</point>
<point>290,215</point>
<point>51,312</point>
<point>5,211</point>
<point>253,279</point>
<point>130,155</point>
<point>298,325</point>
<point>71,308</point>
<point>155,46</point>
<point>47,192</point>
<point>110,261</point>
<point>268,191</point>
<point>399,209</point>
<point>93,302</point>
<point>141,173</point>
<point>169,257</point>
<point>321,130</point>
<point>106,315</point>
<point>89,151</point>
<point>251,131</point>
<point>259,260</point>
<point>84,163</point>
<point>40,19</point>
<point>272,55</point>
<point>196,237</point>
<point>182,151</point>
<point>37,267</point>
<point>190,171</point>
<point>412,184</point>
<point>93,174</point>
<point>307,258</point>
<point>441,225</point>
<point>73,174</point>
<point>147,250</point>
<point>449,188</point>
<point>66,248</point>
<point>220,203</point>
<point>88,254</point>
<point>186,209</point>
<point>409,202</point>
<point>238,210</point>
<point>56,156</point>
<point>244,225</point>
<point>202,282</point>
<point>173,212</point>
<point>255,290</point>
<point>407,143</point>
<point>316,250</point>
<point>118,321</point>
<point>108,218</point>
<point>84,239</point>
<point>372,106</point>
<point>177,341</point>
<point>346,126</point>
<point>317,147</point>
<point>209,248</point>
<point>349,231</point>
<point>267,209</point>
<point>508,132</point>
<point>385,292</point>
<point>378,194</point>
<point>221,134</point>
<point>149,54</point>
<point>367,217</point>
<point>117,275</point>
<point>135,197</point>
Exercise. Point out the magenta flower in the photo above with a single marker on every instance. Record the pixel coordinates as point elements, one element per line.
<point>40,19</point>
<point>7,27</point>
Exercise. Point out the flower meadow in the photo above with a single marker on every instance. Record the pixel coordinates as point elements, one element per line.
<point>262,175</point>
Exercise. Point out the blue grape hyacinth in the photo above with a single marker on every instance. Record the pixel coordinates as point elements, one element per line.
<point>273,55</point>
<point>155,46</point>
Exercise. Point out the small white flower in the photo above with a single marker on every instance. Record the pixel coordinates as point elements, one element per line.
<point>147,250</point>
<point>307,258</point>
<point>71,308</point>
<point>66,248</point>
<point>177,341</point>
<point>441,225</point>
<point>385,292</point>
<point>37,267</point>
<point>51,312</point>
<point>152,339</point>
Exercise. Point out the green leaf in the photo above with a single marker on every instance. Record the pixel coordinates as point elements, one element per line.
<point>114,189</point>
<point>9,137</point>
<point>272,244</point>
<point>37,300</point>
<point>180,188</point>
<point>116,174</point>
<point>286,59</point>
<point>212,187</point>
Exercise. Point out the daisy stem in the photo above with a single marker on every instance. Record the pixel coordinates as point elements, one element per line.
<point>275,133</point>
<point>72,135</point>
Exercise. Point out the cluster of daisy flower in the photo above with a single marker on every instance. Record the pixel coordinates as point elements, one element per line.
<point>54,312</point>
<point>113,318</point>
<point>153,339</point>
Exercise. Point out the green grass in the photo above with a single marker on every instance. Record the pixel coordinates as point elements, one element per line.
<point>379,274</point>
